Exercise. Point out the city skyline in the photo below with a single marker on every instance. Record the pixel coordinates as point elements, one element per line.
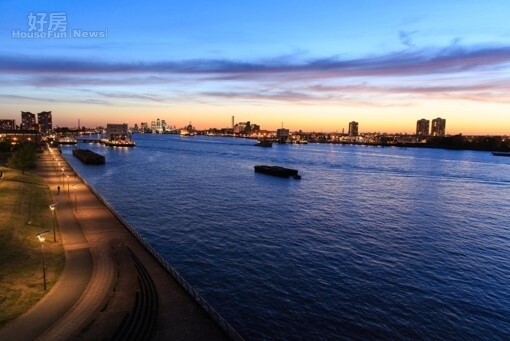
<point>312,68</point>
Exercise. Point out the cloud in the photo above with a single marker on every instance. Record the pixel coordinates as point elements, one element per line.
<point>455,72</point>
<point>13,98</point>
<point>495,92</point>
<point>306,97</point>
<point>365,88</point>
<point>405,38</point>
<point>130,95</point>
<point>263,95</point>
<point>406,63</point>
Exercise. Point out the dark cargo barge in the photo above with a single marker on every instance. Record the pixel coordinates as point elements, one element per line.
<point>501,153</point>
<point>277,171</point>
<point>89,157</point>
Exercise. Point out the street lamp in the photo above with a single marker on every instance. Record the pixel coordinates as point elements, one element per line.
<point>67,176</point>
<point>52,208</point>
<point>75,202</point>
<point>41,238</point>
<point>63,184</point>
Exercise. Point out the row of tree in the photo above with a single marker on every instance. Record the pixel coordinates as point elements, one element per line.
<point>22,157</point>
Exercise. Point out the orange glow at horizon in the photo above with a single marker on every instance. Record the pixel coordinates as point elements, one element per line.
<point>463,117</point>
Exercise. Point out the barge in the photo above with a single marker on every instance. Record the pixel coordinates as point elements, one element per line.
<point>264,143</point>
<point>89,157</point>
<point>277,171</point>
<point>501,153</point>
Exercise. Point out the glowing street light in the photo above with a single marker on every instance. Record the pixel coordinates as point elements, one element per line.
<point>41,238</point>
<point>75,201</point>
<point>67,176</point>
<point>52,208</point>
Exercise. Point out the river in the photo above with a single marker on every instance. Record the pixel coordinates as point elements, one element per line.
<point>372,242</point>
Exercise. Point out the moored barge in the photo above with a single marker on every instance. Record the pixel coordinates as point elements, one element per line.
<point>277,171</point>
<point>264,143</point>
<point>89,157</point>
<point>501,153</point>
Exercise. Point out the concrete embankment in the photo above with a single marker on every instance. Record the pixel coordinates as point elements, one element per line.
<point>215,316</point>
<point>128,289</point>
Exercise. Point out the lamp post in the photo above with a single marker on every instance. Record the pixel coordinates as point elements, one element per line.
<point>63,183</point>
<point>75,201</point>
<point>68,195</point>
<point>52,208</point>
<point>41,238</point>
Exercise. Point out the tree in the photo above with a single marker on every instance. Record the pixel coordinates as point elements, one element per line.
<point>23,157</point>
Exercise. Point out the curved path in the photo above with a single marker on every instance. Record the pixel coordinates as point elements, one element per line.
<point>108,278</point>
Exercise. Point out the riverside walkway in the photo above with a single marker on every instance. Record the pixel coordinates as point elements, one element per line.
<point>111,287</point>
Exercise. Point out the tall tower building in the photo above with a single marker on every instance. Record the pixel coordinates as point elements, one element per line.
<point>45,122</point>
<point>438,127</point>
<point>422,127</point>
<point>27,120</point>
<point>353,128</point>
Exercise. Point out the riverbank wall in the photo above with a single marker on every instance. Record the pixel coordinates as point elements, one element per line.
<point>215,316</point>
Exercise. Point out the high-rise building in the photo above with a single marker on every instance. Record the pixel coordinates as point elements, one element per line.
<point>438,127</point>
<point>144,127</point>
<point>27,120</point>
<point>45,122</point>
<point>422,127</point>
<point>7,124</point>
<point>353,128</point>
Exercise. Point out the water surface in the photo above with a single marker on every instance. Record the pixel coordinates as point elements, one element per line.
<point>372,242</point>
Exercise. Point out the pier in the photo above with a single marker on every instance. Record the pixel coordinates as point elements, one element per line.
<point>88,140</point>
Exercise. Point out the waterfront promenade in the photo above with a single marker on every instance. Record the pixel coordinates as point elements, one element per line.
<point>111,286</point>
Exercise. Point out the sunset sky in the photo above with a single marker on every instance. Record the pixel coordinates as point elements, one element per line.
<point>313,65</point>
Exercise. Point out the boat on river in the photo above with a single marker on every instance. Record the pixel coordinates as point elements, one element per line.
<point>89,157</point>
<point>67,140</point>
<point>118,142</point>
<point>264,143</point>
<point>501,153</point>
<point>281,172</point>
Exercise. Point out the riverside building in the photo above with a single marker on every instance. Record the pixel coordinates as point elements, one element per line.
<point>438,127</point>
<point>28,120</point>
<point>353,128</point>
<point>45,121</point>
<point>422,127</point>
<point>7,124</point>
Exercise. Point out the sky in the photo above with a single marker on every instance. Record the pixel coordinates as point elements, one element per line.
<point>309,65</point>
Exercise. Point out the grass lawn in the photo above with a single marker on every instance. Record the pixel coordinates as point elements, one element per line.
<point>24,212</point>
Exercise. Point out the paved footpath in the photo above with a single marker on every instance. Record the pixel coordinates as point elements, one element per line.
<point>111,286</point>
